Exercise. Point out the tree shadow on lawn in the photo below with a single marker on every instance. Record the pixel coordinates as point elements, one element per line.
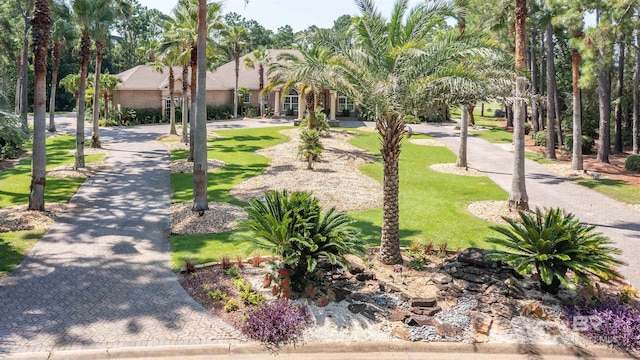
<point>370,233</point>
<point>10,256</point>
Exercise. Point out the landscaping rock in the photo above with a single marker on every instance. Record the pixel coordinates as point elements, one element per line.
<point>441,278</point>
<point>501,323</point>
<point>448,330</point>
<point>475,256</point>
<point>429,311</point>
<point>364,276</point>
<point>481,322</point>
<point>480,338</point>
<point>369,313</point>
<point>356,269</point>
<point>423,302</point>
<point>356,308</point>
<point>398,315</point>
<point>421,320</point>
<point>515,287</point>
<point>402,333</point>
<point>341,293</point>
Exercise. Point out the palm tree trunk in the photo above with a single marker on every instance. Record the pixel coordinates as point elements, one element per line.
<point>534,80</point>
<point>85,44</point>
<point>200,202</point>
<point>464,127</point>
<point>551,98</point>
<point>24,104</point>
<point>261,85</point>
<point>391,130</point>
<point>617,143</point>
<point>518,198</point>
<point>192,113</point>
<point>95,137</point>
<point>604,100</point>
<point>576,159</point>
<point>41,26</point>
<point>185,105</point>
<point>236,55</point>
<point>55,64</point>
<point>172,110</point>
<point>636,101</point>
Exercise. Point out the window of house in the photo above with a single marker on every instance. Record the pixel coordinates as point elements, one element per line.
<point>176,101</point>
<point>265,99</point>
<point>291,101</point>
<point>344,103</point>
<point>246,98</point>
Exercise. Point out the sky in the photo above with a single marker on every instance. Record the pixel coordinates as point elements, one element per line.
<point>300,14</point>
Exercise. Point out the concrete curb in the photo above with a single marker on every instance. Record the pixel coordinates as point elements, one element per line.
<point>364,350</point>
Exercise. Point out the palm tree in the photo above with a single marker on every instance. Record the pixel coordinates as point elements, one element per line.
<point>103,18</point>
<point>71,83</point>
<point>394,66</point>
<point>236,38</point>
<point>309,73</point>
<point>261,59</point>
<point>41,25</point>
<point>63,34</point>
<point>108,83</point>
<point>200,202</point>
<point>518,198</point>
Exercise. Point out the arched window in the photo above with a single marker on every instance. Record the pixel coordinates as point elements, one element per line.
<point>291,101</point>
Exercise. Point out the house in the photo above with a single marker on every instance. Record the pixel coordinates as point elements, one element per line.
<point>145,87</point>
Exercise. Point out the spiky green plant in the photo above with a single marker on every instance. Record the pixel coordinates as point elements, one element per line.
<point>310,147</point>
<point>554,242</point>
<point>296,228</point>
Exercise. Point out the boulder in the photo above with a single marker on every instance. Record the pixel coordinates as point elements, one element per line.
<point>402,333</point>
<point>356,308</point>
<point>481,322</point>
<point>448,330</point>
<point>364,276</point>
<point>421,320</point>
<point>398,315</point>
<point>356,269</point>
<point>429,311</point>
<point>475,256</point>
<point>423,302</point>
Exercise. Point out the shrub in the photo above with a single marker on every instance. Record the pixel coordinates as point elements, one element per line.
<point>233,272</point>
<point>12,137</point>
<point>295,227</point>
<point>609,322</point>
<point>527,128</point>
<point>220,112</point>
<point>231,305</point>
<point>552,243</point>
<point>632,163</point>
<point>540,138</point>
<point>250,112</point>
<point>148,116</point>
<point>587,144</point>
<point>276,323</point>
<point>310,147</point>
<point>217,295</point>
<point>321,123</point>
<point>410,119</point>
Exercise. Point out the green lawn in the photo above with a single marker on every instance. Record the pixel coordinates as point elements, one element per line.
<point>14,190</point>
<point>432,204</point>
<point>614,189</point>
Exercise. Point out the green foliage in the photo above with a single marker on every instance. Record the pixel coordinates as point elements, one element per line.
<point>12,137</point>
<point>231,305</point>
<point>587,144</point>
<point>527,128</point>
<point>552,243</point>
<point>632,163</point>
<point>540,138</point>
<point>233,272</point>
<point>217,295</point>
<point>294,227</point>
<point>416,264</point>
<point>148,116</point>
<point>14,246</point>
<point>219,112</point>
<point>410,119</point>
<point>250,112</point>
<point>321,123</point>
<point>310,147</point>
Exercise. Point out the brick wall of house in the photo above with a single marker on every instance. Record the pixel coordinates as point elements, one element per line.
<point>137,99</point>
<point>219,97</point>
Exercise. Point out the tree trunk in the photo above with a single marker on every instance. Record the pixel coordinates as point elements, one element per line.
<point>464,127</point>
<point>192,114</point>
<point>509,113</point>
<point>200,202</point>
<point>24,103</point>
<point>172,110</point>
<point>85,44</point>
<point>576,159</point>
<point>95,137</point>
<point>55,64</point>
<point>236,55</point>
<point>391,131</point>
<point>472,119</point>
<point>604,100</point>
<point>482,109</point>
<point>41,26</point>
<point>636,101</point>
<point>185,105</point>
<point>261,85</point>
<point>18,101</point>
<point>310,101</point>
<point>534,80</point>
<point>617,143</point>
<point>551,98</point>
<point>518,198</point>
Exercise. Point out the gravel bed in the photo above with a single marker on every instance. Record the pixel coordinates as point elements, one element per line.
<point>342,184</point>
<point>220,217</point>
<point>68,171</point>
<point>451,168</point>
<point>457,315</point>
<point>426,142</point>
<point>185,167</point>
<point>492,211</point>
<point>18,218</point>
<point>565,171</point>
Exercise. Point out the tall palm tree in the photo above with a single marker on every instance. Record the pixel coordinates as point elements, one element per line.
<point>200,202</point>
<point>236,38</point>
<point>395,65</point>
<point>108,84</point>
<point>41,26</point>
<point>64,33</point>
<point>518,196</point>
<point>259,58</point>
<point>308,73</point>
<point>103,18</point>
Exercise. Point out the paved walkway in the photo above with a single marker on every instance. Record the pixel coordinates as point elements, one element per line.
<point>618,221</point>
<point>100,278</point>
